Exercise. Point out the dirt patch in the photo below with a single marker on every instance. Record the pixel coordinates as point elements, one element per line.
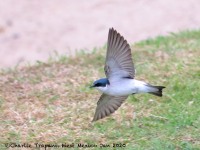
<point>33,30</point>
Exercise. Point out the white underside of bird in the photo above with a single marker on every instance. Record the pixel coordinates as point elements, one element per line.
<point>123,87</point>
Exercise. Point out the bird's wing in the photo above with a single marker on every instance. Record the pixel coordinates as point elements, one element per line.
<point>107,105</point>
<point>119,61</point>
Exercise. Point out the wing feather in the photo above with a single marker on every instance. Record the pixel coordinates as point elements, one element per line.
<point>119,61</point>
<point>107,105</point>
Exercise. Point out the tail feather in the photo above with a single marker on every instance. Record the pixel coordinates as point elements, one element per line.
<point>158,92</point>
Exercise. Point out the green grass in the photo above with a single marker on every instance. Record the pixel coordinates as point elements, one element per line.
<point>51,102</point>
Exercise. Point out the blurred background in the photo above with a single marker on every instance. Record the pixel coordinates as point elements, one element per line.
<point>34,30</point>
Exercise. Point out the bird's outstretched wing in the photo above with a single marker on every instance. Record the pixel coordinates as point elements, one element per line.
<point>119,61</point>
<point>107,105</point>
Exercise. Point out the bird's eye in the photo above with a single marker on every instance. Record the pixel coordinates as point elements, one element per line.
<point>98,84</point>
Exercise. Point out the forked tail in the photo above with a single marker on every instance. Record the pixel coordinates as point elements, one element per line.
<point>156,90</point>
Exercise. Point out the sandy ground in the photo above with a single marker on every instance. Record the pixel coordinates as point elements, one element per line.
<point>32,30</point>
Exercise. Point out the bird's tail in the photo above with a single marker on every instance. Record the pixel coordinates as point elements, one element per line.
<point>156,90</point>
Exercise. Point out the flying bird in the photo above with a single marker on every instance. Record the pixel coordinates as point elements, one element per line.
<point>120,79</point>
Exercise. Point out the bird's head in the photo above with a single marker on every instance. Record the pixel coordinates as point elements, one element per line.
<point>101,84</point>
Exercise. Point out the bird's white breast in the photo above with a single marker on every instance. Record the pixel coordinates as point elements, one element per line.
<point>123,87</point>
